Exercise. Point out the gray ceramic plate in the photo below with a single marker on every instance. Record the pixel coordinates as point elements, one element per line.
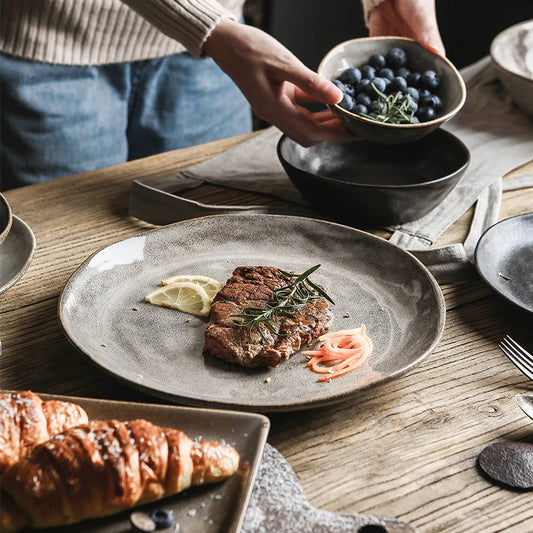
<point>504,259</point>
<point>213,508</point>
<point>16,252</point>
<point>160,350</point>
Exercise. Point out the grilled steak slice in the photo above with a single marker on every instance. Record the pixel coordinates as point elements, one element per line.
<point>253,286</point>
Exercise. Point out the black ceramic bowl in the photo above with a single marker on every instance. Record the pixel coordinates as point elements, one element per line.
<point>369,184</point>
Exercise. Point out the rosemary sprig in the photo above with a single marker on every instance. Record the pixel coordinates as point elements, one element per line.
<point>286,301</point>
<point>393,108</point>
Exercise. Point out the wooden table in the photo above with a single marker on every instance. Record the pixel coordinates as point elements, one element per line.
<point>404,449</point>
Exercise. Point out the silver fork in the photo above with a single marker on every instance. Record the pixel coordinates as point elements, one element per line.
<point>521,358</point>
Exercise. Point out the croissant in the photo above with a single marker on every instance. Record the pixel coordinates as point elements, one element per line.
<point>102,468</point>
<point>26,420</point>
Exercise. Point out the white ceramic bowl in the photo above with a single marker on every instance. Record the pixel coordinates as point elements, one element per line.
<point>512,53</point>
<point>356,52</point>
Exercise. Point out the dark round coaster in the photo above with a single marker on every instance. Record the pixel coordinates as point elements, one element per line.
<point>510,463</point>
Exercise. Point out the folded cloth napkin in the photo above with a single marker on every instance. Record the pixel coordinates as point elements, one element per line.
<point>498,135</point>
<point>279,504</point>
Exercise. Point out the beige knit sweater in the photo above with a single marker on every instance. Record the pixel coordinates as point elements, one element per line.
<point>93,32</point>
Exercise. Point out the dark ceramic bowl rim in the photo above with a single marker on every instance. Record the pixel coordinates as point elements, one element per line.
<point>422,185</point>
<point>439,120</point>
<point>497,62</point>
<point>6,229</point>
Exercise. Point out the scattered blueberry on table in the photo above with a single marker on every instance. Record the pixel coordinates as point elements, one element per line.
<point>163,518</point>
<point>386,89</point>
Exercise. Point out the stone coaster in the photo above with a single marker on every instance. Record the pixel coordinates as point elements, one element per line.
<point>278,503</point>
<point>510,463</point>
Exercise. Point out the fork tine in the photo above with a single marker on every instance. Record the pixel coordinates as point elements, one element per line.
<point>519,359</point>
<point>519,348</point>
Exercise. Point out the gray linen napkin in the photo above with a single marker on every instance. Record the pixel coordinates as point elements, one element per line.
<point>271,510</point>
<point>498,135</point>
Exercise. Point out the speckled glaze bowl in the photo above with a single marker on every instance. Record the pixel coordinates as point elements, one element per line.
<point>356,52</point>
<point>512,54</point>
<point>6,218</point>
<point>368,184</point>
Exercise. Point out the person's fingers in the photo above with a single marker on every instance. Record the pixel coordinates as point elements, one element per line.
<point>302,126</point>
<point>302,96</point>
<point>315,87</point>
<point>423,21</point>
<point>407,18</point>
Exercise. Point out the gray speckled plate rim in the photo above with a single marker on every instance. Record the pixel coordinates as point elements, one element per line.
<point>495,228</point>
<point>293,406</point>
<point>252,448</point>
<point>19,224</point>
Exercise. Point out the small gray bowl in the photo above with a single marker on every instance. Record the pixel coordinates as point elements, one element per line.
<point>356,52</point>
<point>511,54</point>
<point>368,184</point>
<point>6,217</point>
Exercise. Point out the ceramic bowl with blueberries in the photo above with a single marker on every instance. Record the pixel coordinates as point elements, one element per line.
<point>395,91</point>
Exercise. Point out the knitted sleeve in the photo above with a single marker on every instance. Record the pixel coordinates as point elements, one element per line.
<point>189,22</point>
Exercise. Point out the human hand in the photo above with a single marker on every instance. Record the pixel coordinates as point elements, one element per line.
<point>273,80</point>
<point>407,18</point>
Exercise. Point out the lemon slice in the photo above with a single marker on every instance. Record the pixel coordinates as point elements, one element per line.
<point>186,296</point>
<point>211,286</point>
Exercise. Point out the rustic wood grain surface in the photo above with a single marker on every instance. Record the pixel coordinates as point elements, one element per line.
<point>404,449</point>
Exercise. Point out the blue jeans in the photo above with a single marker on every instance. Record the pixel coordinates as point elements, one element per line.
<point>58,120</point>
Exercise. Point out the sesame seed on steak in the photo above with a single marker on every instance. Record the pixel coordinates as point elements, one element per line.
<point>253,286</point>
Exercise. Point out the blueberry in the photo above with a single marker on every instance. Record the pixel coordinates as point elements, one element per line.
<point>360,109</point>
<point>368,72</point>
<point>402,72</point>
<point>386,73</point>
<point>162,518</point>
<point>363,99</point>
<point>349,89</point>
<point>142,523</point>
<point>430,100</point>
<point>413,79</point>
<point>398,84</point>
<point>362,85</point>
<point>424,93</point>
<point>347,102</point>
<point>413,93</point>
<point>437,101</point>
<point>350,75</point>
<point>412,103</point>
<point>377,61</point>
<point>396,58</point>
<point>378,106</point>
<point>375,86</point>
<point>425,113</point>
<point>338,84</point>
<point>429,79</point>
